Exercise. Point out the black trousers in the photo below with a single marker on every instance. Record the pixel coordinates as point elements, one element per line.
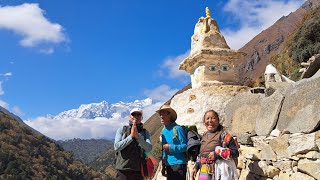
<point>129,175</point>
<point>177,172</point>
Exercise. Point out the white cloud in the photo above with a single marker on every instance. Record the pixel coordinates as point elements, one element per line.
<point>1,90</point>
<point>62,129</point>
<point>7,74</point>
<point>28,20</point>
<point>4,104</point>
<point>237,39</point>
<point>255,16</point>
<point>170,67</point>
<point>47,51</point>
<point>17,111</point>
<point>161,93</point>
<point>150,110</point>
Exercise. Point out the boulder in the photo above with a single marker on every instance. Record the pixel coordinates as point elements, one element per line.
<point>242,112</point>
<point>301,176</point>
<point>310,167</point>
<point>250,152</point>
<point>280,146</point>
<point>268,116</point>
<point>284,165</point>
<point>302,143</point>
<point>284,176</point>
<point>261,168</point>
<point>267,153</point>
<point>300,109</point>
<point>313,155</point>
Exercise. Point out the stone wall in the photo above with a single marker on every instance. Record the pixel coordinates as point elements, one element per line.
<point>279,135</point>
<point>281,156</point>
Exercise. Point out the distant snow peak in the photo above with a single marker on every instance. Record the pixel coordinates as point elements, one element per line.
<point>147,101</point>
<point>93,110</point>
<point>103,109</point>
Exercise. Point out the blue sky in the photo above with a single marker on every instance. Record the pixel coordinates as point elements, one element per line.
<point>57,55</point>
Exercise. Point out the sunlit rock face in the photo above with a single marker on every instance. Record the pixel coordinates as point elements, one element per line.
<point>193,103</point>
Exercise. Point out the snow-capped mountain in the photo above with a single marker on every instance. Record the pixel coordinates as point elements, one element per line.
<point>102,109</point>
<point>94,120</point>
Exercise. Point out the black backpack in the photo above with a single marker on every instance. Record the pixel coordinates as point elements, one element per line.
<point>194,142</point>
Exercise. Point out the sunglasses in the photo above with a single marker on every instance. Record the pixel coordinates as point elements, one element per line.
<point>136,114</point>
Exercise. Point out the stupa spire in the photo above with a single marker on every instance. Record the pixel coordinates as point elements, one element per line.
<point>211,60</point>
<point>208,15</point>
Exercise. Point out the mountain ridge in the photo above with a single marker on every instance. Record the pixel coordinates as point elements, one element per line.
<point>26,154</point>
<point>269,43</point>
<point>102,109</point>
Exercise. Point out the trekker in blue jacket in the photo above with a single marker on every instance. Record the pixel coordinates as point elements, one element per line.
<point>174,145</point>
<point>130,143</point>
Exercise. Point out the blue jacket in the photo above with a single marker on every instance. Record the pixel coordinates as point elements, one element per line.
<point>178,146</point>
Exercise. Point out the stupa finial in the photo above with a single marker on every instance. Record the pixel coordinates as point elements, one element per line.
<point>208,12</point>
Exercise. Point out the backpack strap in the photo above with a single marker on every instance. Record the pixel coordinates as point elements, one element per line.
<point>144,134</point>
<point>226,138</point>
<point>175,133</point>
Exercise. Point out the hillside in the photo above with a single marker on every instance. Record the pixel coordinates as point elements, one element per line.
<point>273,43</point>
<point>86,150</point>
<point>300,46</point>
<point>26,154</point>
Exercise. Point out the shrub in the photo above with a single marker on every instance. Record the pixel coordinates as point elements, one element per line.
<point>306,42</point>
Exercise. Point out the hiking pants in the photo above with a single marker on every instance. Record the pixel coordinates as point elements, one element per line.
<point>129,175</point>
<point>177,172</point>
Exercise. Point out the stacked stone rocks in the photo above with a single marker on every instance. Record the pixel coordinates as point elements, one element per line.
<point>281,156</point>
<point>279,133</point>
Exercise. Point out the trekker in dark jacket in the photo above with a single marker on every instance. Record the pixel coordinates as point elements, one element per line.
<point>130,143</point>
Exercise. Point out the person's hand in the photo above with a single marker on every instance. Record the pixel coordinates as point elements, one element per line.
<point>193,174</point>
<point>223,152</point>
<point>166,147</point>
<point>134,131</point>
